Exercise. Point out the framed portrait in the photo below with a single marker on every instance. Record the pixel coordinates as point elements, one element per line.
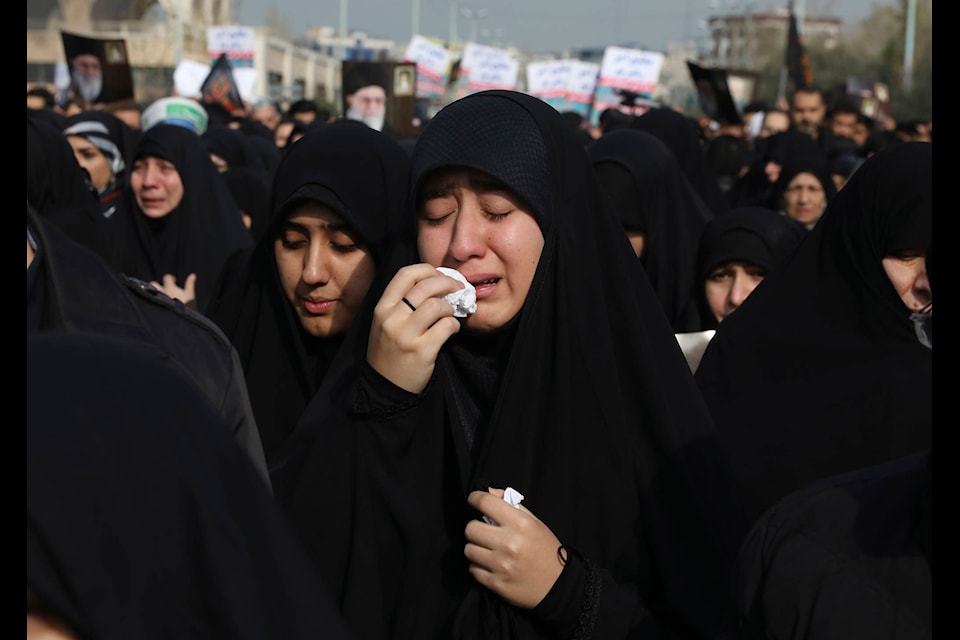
<point>405,80</point>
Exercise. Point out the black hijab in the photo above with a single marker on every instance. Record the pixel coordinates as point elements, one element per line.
<point>236,148</point>
<point>815,165</point>
<point>361,174</point>
<point>680,133</point>
<point>757,235</point>
<point>60,189</point>
<point>649,191</point>
<point>201,233</point>
<point>594,417</point>
<point>251,190</point>
<point>819,370</point>
<point>145,519</point>
<point>753,189</point>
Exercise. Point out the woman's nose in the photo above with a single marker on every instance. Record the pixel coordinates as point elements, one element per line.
<point>469,235</point>
<point>316,269</point>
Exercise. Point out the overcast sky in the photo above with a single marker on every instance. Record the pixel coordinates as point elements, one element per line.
<point>541,26</point>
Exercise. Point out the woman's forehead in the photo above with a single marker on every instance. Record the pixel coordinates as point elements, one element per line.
<point>449,177</point>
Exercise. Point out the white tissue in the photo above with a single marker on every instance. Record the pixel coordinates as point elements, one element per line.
<point>463,301</point>
<point>511,496</point>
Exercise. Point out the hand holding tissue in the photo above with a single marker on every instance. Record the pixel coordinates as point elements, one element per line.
<point>463,301</point>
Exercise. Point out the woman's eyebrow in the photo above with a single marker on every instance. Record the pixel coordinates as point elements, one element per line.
<point>436,190</point>
<point>486,183</point>
<point>331,226</point>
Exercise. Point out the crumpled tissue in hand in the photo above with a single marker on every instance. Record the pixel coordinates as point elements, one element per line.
<point>510,495</point>
<point>463,301</point>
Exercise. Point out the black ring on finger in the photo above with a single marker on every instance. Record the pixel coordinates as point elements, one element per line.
<point>409,304</point>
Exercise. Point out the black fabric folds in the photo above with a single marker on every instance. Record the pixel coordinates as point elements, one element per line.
<point>819,371</point>
<point>596,420</point>
<point>673,211</point>
<point>60,190</point>
<point>200,234</point>
<point>681,134</point>
<point>756,235</point>
<point>144,518</point>
<point>365,172</point>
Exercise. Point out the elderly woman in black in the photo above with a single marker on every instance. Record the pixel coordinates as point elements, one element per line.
<point>563,388</point>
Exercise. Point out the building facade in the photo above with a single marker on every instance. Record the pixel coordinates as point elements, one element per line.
<point>158,37</point>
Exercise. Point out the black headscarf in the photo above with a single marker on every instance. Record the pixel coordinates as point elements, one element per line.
<point>251,190</point>
<point>593,416</point>
<point>362,175</point>
<point>145,519</point>
<point>757,235</point>
<point>819,370</point>
<point>649,191</point>
<point>754,188</point>
<point>815,165</point>
<point>60,189</point>
<point>681,135</point>
<point>200,234</point>
<point>236,148</point>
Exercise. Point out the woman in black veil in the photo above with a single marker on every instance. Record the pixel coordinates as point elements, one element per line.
<point>565,385</point>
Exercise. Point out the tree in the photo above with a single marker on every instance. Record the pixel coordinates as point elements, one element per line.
<point>874,49</point>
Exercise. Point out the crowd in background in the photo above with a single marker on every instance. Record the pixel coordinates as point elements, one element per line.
<point>692,397</point>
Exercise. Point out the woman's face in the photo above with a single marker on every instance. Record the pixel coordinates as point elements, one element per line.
<point>728,286</point>
<point>907,271</point>
<point>471,222</point>
<point>93,160</point>
<point>324,269</point>
<point>156,186</point>
<point>804,199</point>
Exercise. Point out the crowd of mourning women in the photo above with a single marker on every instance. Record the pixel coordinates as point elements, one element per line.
<point>682,390</point>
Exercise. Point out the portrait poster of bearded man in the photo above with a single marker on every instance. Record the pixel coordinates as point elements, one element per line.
<point>99,71</point>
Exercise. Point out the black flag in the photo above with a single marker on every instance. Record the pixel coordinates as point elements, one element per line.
<point>220,88</point>
<point>797,62</point>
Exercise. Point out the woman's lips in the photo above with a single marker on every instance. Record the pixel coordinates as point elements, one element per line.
<point>318,306</point>
<point>485,285</point>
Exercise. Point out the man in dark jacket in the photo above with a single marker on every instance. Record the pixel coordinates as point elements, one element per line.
<point>71,289</point>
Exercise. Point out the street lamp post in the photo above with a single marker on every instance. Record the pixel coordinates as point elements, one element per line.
<point>474,16</point>
<point>343,29</point>
<point>415,25</point>
<point>453,22</point>
<point>180,9</point>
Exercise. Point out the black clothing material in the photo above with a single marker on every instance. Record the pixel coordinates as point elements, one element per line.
<point>819,371</point>
<point>70,289</point>
<point>653,195</point>
<point>589,410</point>
<point>682,135</point>
<point>148,521</point>
<point>755,235</point>
<point>848,557</point>
<point>200,234</point>
<point>361,174</point>
<point>60,189</point>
